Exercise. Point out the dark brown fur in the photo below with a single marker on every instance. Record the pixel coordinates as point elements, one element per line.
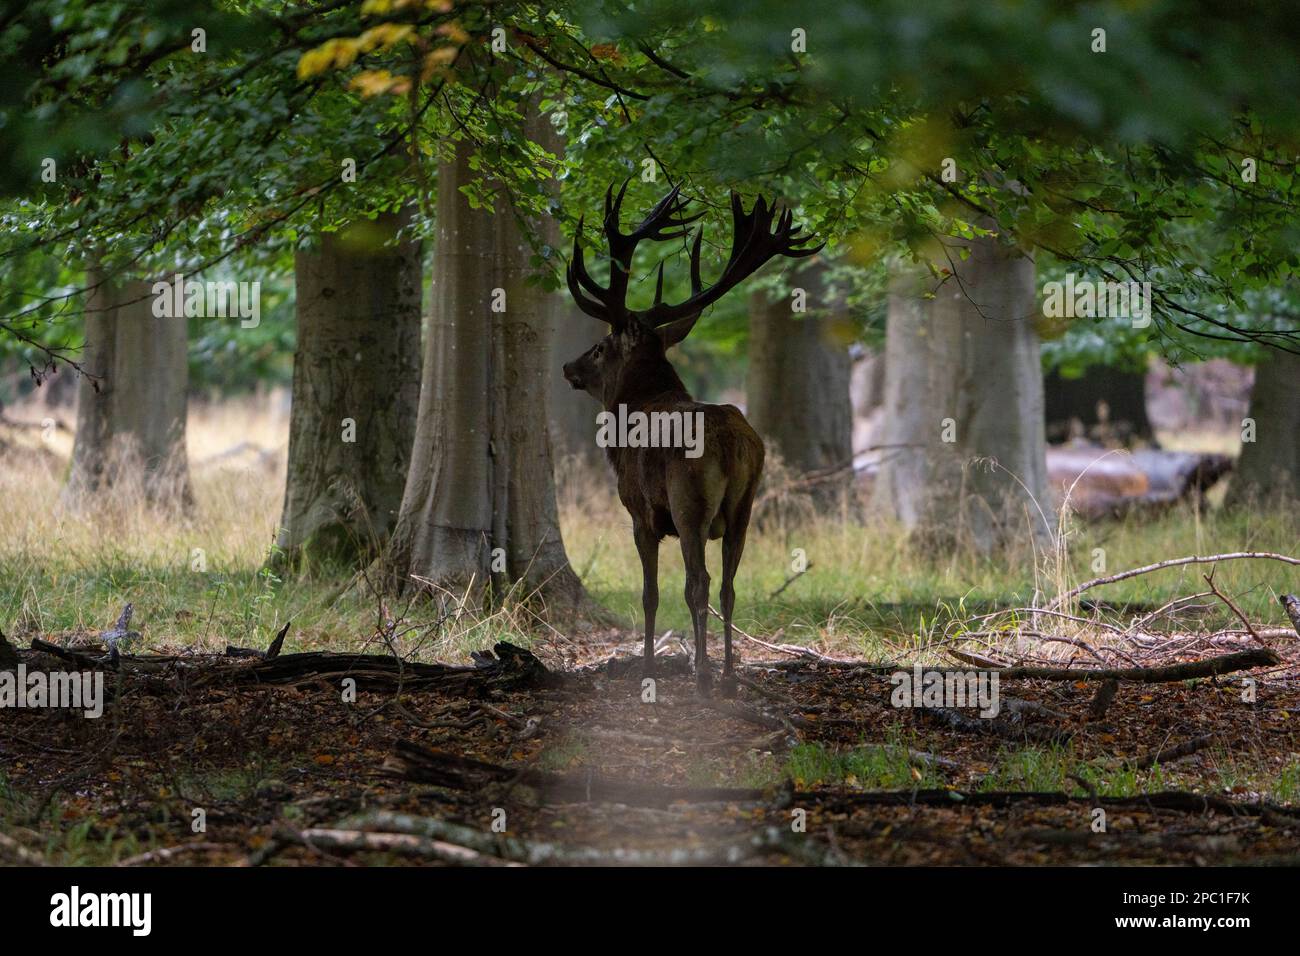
<point>665,491</point>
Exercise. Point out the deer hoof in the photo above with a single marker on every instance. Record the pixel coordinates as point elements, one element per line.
<point>703,681</point>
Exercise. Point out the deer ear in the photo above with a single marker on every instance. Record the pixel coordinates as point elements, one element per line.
<point>674,332</point>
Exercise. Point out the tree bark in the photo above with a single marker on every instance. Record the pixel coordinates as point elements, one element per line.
<point>964,385</point>
<point>1269,466</point>
<point>356,387</point>
<point>798,390</point>
<point>131,410</point>
<point>480,495</point>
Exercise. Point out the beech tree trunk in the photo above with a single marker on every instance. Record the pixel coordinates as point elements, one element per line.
<point>356,388</point>
<point>1269,467</point>
<point>963,385</point>
<point>798,389</point>
<point>480,494</point>
<point>131,407</point>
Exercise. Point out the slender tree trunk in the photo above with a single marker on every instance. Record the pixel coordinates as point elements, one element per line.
<point>797,394</point>
<point>1269,466</point>
<point>963,386</point>
<point>356,386</point>
<point>480,494</point>
<point>131,410</point>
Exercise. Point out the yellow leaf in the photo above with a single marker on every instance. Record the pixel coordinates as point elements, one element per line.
<point>339,53</point>
<point>386,35</point>
<point>453,32</point>
<point>324,759</point>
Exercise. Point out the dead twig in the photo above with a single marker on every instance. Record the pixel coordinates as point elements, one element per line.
<point>1209,579</point>
<point>1174,563</point>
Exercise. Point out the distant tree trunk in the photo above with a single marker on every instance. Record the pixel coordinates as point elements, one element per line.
<point>1269,467</point>
<point>131,411</point>
<point>963,381</point>
<point>480,494</point>
<point>356,388</point>
<point>797,395</point>
<point>1120,393</point>
<point>573,414</point>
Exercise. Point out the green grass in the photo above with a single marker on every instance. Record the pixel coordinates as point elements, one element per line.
<point>869,767</point>
<point>866,593</point>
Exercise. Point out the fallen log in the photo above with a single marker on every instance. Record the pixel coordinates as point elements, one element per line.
<point>1210,667</point>
<point>509,668</point>
<point>271,652</point>
<point>1169,754</point>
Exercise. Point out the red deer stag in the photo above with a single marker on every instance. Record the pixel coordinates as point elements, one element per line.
<point>695,493</point>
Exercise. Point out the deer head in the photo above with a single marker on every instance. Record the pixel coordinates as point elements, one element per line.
<point>632,354</point>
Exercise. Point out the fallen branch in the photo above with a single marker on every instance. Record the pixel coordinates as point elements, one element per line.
<point>1176,562</point>
<point>1169,754</point>
<point>163,854</point>
<point>1209,579</point>
<point>794,649</point>
<point>789,581</point>
<point>1210,667</point>
<point>403,843</point>
<point>545,853</point>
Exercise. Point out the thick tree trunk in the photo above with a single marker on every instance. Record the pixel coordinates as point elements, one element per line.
<point>964,385</point>
<point>1269,466</point>
<point>1108,403</point>
<point>131,410</point>
<point>797,395</point>
<point>480,495</point>
<point>356,387</point>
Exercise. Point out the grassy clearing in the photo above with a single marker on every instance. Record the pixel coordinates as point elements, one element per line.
<point>866,593</point>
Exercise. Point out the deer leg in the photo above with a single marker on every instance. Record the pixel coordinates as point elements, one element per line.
<point>733,545</point>
<point>648,548</point>
<point>697,599</point>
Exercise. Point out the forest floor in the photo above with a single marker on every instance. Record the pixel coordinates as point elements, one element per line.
<point>810,764</point>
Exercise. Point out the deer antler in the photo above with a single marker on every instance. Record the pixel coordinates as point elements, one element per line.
<point>753,243</point>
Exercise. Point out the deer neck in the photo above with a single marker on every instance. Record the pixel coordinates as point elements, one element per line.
<point>652,379</point>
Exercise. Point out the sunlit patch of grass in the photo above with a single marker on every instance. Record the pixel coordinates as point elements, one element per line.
<point>1056,769</point>
<point>868,767</point>
<point>1285,787</point>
